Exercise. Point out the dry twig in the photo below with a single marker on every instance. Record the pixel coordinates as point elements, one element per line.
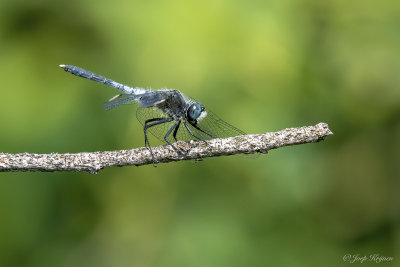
<point>95,161</point>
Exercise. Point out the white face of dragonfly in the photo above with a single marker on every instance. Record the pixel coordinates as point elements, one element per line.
<point>196,112</point>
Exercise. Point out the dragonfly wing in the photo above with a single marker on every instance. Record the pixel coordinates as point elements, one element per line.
<point>208,128</point>
<point>211,126</point>
<point>119,100</point>
<point>152,98</point>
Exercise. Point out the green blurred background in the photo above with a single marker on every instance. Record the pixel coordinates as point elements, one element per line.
<point>261,65</point>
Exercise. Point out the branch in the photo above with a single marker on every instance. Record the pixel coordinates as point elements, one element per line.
<point>95,161</point>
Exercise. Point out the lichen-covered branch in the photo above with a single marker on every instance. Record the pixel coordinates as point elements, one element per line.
<point>95,161</point>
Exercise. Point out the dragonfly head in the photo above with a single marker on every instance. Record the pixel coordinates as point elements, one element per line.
<point>196,112</point>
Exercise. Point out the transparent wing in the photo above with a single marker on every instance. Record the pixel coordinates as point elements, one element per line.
<point>220,128</point>
<point>147,99</point>
<point>217,127</point>
<point>152,98</point>
<point>210,127</point>
<point>119,100</point>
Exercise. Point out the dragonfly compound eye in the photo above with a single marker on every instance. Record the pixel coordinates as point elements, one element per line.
<point>196,112</point>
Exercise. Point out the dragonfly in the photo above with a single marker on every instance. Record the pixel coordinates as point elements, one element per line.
<point>168,114</point>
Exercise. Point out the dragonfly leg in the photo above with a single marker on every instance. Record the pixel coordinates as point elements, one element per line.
<point>146,140</point>
<point>176,124</point>
<point>156,121</point>
<point>176,131</point>
<point>176,127</point>
<point>201,130</point>
<point>190,131</point>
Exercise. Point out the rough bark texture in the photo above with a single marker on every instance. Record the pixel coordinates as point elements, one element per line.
<point>95,161</point>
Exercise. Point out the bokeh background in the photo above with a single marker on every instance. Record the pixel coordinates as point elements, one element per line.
<point>261,65</point>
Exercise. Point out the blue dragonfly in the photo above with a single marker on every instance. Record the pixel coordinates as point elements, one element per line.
<point>166,113</point>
